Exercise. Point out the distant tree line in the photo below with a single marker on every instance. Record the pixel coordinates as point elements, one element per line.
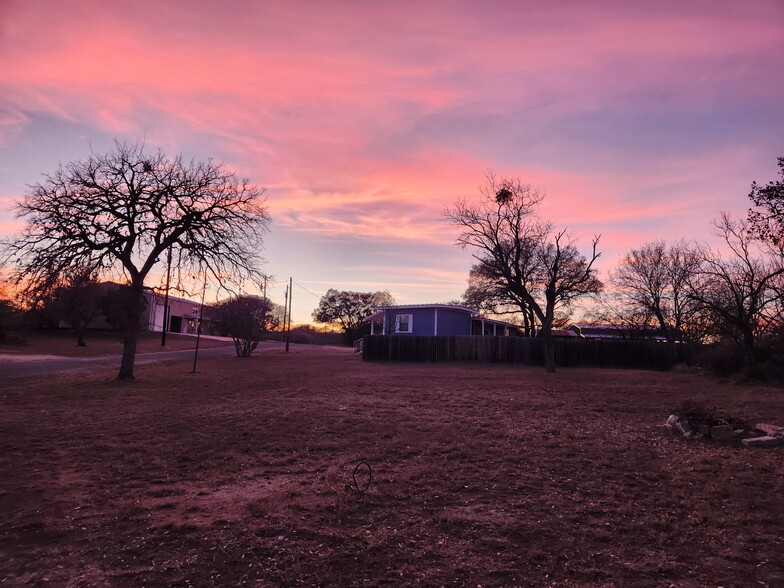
<point>76,300</point>
<point>129,213</point>
<point>528,271</point>
<point>687,291</point>
<point>79,299</point>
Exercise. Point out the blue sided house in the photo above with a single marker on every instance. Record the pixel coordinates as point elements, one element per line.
<point>436,320</point>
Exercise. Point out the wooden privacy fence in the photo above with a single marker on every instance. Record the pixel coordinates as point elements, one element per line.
<point>618,353</point>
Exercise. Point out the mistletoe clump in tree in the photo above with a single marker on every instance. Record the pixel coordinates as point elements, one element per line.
<point>521,259</point>
<point>120,212</point>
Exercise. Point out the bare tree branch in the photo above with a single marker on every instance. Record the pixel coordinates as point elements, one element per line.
<point>521,259</point>
<point>742,289</point>
<point>120,211</point>
<point>653,281</point>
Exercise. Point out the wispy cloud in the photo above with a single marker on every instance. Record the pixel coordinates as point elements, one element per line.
<point>365,120</point>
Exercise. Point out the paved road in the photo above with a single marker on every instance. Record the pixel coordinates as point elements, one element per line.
<point>16,367</point>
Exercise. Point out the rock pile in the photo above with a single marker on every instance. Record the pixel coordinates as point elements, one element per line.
<point>773,436</point>
<point>704,426</point>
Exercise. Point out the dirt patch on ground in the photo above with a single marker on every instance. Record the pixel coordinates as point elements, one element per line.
<point>482,474</point>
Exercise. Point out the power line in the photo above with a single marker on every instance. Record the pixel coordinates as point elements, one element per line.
<point>13,185</point>
<point>308,291</point>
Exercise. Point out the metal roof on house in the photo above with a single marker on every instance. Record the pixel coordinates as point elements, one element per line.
<point>495,321</point>
<point>563,333</point>
<point>380,309</point>
<point>449,306</point>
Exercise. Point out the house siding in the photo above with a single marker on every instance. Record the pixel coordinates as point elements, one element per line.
<point>453,322</point>
<point>450,322</point>
<point>183,315</point>
<point>437,320</point>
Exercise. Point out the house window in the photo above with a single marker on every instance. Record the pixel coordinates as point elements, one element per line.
<point>404,323</point>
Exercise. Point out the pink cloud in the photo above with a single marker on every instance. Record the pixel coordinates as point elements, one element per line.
<point>365,120</point>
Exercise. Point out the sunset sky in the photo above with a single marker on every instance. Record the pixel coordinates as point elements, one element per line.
<point>363,119</point>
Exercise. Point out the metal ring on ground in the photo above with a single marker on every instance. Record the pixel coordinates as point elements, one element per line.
<point>370,476</point>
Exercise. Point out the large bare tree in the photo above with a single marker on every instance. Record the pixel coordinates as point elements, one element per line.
<point>528,258</point>
<point>741,285</point>
<point>119,212</point>
<point>652,281</point>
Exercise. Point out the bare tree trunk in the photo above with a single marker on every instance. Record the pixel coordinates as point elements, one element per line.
<point>748,347</point>
<point>136,300</point>
<point>549,349</point>
<point>669,333</point>
<point>80,329</point>
<point>529,324</point>
<point>547,333</point>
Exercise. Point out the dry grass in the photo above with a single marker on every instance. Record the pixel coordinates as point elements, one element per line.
<point>63,343</point>
<point>489,474</point>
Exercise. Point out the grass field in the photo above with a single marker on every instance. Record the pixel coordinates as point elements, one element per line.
<point>481,474</point>
<point>99,343</point>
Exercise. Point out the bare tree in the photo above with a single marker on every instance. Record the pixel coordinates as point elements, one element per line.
<point>742,287</point>
<point>524,256</point>
<point>76,299</point>
<point>615,310</point>
<point>121,211</point>
<point>652,282</point>
<point>9,312</point>
<point>766,219</point>
<point>486,294</point>
<point>247,320</point>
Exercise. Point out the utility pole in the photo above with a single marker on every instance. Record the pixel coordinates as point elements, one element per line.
<point>285,311</point>
<point>291,295</point>
<point>166,299</point>
<point>199,323</point>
